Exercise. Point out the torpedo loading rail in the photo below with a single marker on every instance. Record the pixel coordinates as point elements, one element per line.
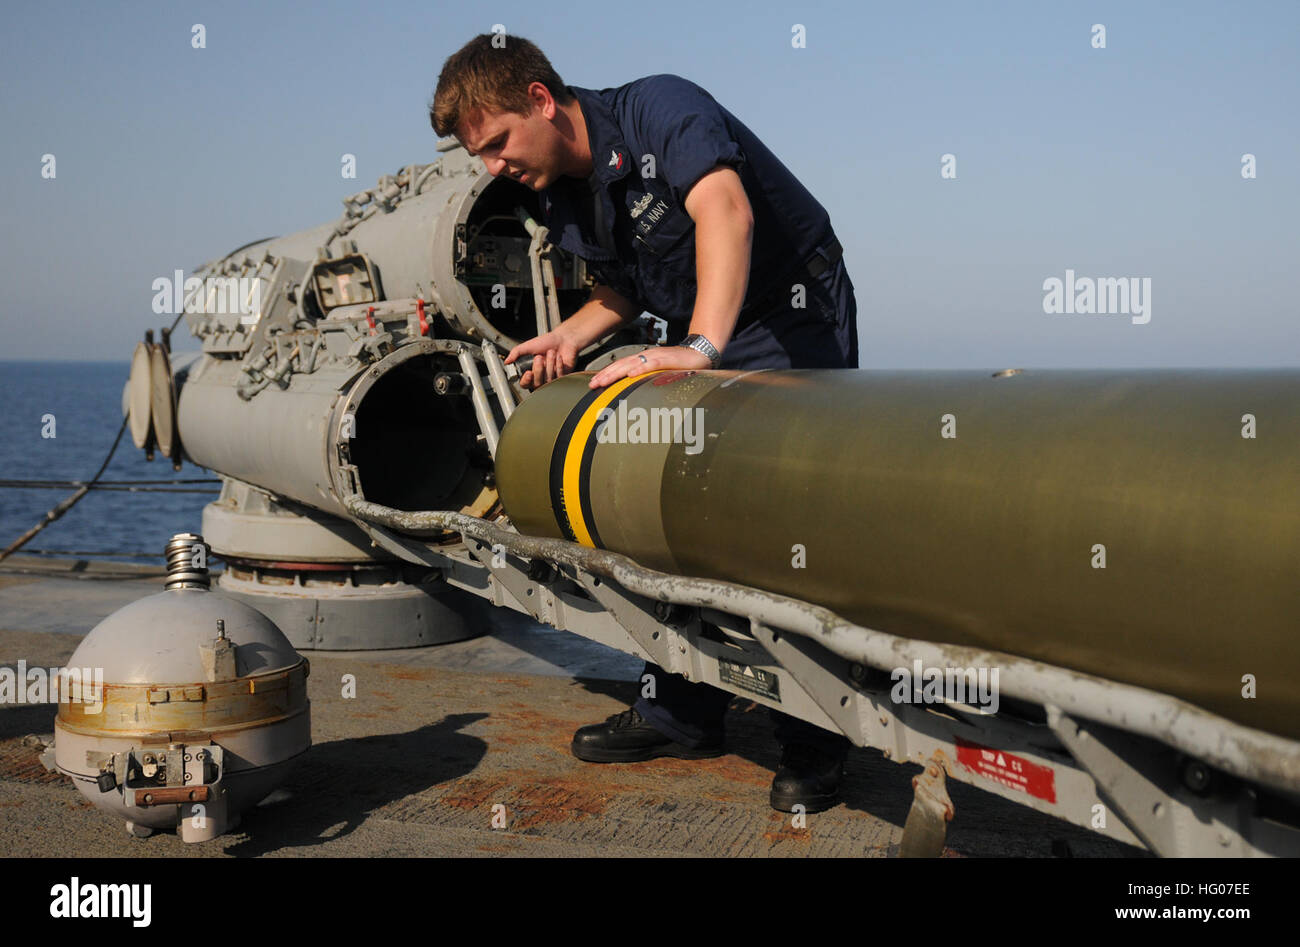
<point>357,406</point>
<point>1134,765</point>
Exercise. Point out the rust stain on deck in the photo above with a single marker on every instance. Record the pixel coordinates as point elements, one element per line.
<point>784,830</point>
<point>533,799</point>
<point>22,764</point>
<point>405,674</point>
<point>732,768</point>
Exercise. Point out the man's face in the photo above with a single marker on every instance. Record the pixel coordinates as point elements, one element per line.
<point>521,147</point>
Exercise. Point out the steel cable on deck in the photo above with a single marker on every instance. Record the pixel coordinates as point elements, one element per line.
<point>56,511</point>
<point>103,484</point>
<point>67,503</point>
<point>91,553</point>
<point>122,486</point>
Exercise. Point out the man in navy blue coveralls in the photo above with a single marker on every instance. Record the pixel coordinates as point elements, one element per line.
<point>679,210</point>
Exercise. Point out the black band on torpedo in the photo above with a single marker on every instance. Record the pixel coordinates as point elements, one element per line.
<point>558,453</point>
<point>589,451</point>
<point>584,418</point>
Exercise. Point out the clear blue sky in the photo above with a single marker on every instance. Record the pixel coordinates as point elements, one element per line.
<point>1123,161</point>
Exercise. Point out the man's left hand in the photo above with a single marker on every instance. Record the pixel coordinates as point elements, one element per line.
<point>652,359</point>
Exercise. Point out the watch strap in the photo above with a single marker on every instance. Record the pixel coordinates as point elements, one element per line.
<point>704,347</point>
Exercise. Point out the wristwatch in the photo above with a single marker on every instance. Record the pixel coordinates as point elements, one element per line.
<point>704,347</point>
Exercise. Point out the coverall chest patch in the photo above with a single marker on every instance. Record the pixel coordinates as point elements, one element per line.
<point>647,212</point>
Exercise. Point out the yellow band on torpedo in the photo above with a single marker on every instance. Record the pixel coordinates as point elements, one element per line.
<point>572,498</point>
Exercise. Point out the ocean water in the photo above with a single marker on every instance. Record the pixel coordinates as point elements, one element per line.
<point>85,399</point>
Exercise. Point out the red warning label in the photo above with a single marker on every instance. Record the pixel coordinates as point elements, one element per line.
<point>1008,769</point>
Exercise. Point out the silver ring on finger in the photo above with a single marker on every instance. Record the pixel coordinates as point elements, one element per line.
<point>644,360</point>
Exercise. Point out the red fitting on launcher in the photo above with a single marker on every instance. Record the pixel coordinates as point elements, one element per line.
<point>419,314</point>
<point>370,318</point>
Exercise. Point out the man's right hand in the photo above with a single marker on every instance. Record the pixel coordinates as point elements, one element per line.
<point>554,354</point>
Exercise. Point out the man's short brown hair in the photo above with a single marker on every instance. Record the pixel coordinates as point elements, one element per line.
<point>493,75</point>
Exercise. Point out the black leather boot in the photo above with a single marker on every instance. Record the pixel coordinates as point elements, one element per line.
<point>627,738</point>
<point>809,777</point>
